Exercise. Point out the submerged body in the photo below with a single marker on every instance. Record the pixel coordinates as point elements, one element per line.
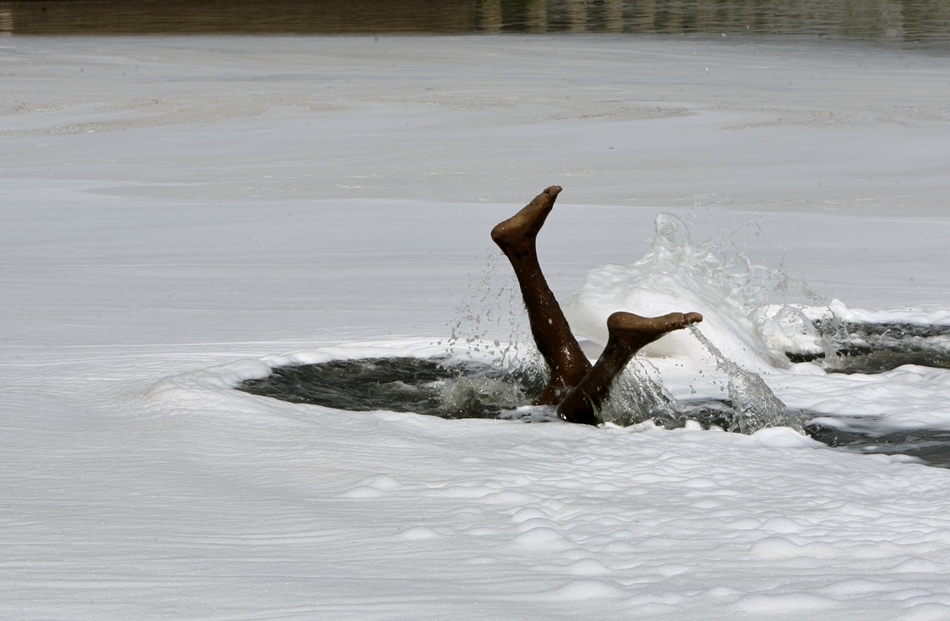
<point>577,388</point>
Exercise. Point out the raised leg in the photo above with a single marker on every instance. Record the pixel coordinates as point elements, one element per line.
<point>627,334</point>
<point>516,237</point>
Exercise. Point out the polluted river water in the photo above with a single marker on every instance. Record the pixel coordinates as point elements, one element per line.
<point>183,214</point>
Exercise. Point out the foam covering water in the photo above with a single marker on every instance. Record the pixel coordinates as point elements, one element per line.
<point>184,213</point>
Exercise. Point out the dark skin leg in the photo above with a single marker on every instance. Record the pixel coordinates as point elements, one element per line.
<point>627,334</point>
<point>516,237</point>
<point>575,387</point>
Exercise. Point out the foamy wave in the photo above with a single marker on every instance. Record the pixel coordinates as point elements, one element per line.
<point>711,278</point>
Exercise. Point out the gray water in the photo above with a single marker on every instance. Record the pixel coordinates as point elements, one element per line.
<point>902,23</point>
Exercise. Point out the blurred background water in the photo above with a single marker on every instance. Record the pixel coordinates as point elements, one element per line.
<point>903,23</point>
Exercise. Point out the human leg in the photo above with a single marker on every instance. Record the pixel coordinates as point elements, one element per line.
<point>516,237</point>
<point>627,334</point>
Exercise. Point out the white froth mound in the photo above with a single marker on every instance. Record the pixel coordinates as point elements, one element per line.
<point>677,276</point>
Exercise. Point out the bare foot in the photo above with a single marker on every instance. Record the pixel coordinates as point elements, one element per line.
<point>520,229</point>
<point>635,331</point>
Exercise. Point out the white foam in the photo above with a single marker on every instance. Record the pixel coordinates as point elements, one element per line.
<point>678,276</point>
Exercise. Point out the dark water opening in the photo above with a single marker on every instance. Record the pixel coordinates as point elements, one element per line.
<point>467,389</point>
<point>439,387</point>
<point>931,446</point>
<point>436,387</point>
<point>915,23</point>
<point>879,347</point>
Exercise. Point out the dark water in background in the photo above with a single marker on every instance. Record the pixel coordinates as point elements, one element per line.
<point>902,23</point>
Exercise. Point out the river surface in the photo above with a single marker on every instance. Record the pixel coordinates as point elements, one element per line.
<point>900,23</point>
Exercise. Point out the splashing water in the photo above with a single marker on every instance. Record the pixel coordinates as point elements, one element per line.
<point>714,278</point>
<point>748,325</point>
<point>756,406</point>
<point>636,397</point>
<point>492,308</point>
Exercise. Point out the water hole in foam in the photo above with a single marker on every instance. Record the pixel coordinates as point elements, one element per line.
<point>712,276</point>
<point>457,388</point>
